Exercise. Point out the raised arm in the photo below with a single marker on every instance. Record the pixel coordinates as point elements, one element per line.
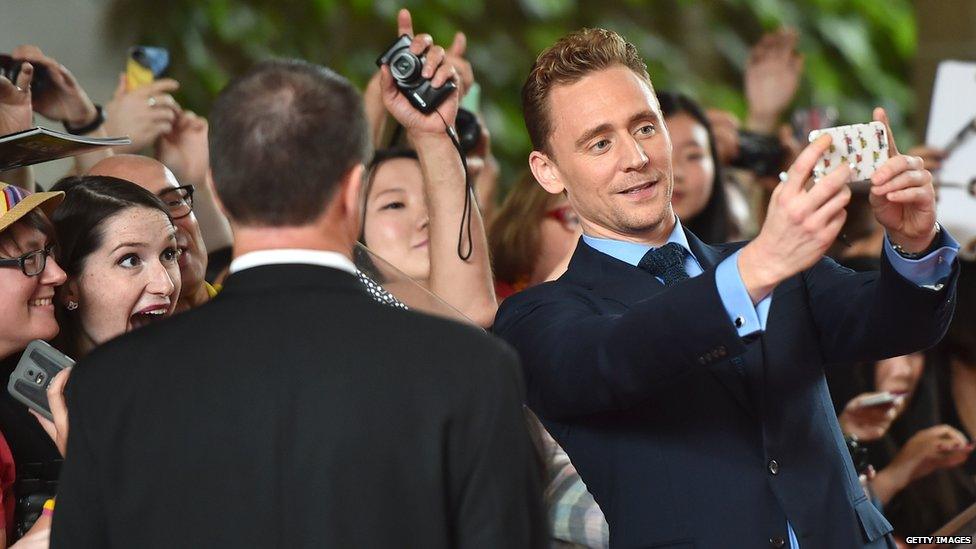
<point>465,284</point>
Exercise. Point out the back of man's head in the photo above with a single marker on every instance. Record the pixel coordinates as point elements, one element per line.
<point>569,60</point>
<point>282,137</point>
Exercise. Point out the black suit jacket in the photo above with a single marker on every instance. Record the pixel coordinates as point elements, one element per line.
<point>294,411</point>
<point>690,436</point>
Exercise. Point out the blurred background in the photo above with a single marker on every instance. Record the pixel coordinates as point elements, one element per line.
<point>858,54</point>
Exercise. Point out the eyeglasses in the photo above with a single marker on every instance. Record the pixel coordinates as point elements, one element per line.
<point>565,215</point>
<point>179,200</point>
<point>31,263</point>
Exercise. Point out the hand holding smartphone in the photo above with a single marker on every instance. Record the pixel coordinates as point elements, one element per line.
<point>864,147</point>
<point>878,399</point>
<point>30,379</point>
<point>144,65</point>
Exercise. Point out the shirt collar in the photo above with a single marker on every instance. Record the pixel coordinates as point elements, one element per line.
<point>322,258</point>
<point>632,252</point>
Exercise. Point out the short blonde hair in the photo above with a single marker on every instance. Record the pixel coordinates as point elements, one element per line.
<point>567,61</point>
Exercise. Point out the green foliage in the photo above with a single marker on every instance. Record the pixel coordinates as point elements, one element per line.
<point>858,54</point>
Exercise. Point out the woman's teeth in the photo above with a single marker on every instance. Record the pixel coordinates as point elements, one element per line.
<point>40,302</point>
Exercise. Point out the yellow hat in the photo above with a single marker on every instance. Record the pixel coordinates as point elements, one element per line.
<point>15,203</point>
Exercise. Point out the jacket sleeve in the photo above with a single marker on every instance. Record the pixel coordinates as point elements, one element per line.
<point>874,315</point>
<point>579,360</point>
<point>79,511</point>
<point>496,474</point>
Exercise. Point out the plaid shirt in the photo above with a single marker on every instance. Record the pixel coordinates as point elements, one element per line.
<point>576,519</point>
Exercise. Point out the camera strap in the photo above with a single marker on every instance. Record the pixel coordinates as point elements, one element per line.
<point>466,214</point>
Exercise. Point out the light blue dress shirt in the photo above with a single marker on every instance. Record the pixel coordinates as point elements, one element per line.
<point>927,272</point>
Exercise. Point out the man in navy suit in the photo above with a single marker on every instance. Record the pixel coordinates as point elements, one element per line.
<point>686,381</point>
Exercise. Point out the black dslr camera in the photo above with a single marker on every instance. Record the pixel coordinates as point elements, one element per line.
<point>406,68</point>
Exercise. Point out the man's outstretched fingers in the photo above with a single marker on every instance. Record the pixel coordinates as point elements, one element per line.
<point>802,167</point>
<point>904,180</point>
<point>828,186</point>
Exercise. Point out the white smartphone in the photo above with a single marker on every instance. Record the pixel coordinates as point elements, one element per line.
<point>878,399</point>
<point>864,147</point>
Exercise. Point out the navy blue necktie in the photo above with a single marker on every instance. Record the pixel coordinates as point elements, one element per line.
<point>666,263</point>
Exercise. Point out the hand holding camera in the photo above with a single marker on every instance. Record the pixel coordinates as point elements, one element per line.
<point>63,99</point>
<point>418,87</point>
<point>16,110</point>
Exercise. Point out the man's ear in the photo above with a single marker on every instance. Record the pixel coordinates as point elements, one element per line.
<point>351,199</point>
<point>209,182</point>
<point>546,172</point>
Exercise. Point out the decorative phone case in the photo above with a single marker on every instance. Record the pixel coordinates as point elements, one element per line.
<point>862,146</point>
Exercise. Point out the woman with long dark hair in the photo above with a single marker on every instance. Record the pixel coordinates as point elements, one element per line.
<point>699,197</point>
<point>118,248</point>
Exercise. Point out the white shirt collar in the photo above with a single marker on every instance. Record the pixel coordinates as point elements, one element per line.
<point>323,258</point>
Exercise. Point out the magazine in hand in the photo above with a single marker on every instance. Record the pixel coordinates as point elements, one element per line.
<point>38,145</point>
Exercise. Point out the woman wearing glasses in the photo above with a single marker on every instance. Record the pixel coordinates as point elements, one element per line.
<point>118,247</point>
<point>532,237</point>
<point>28,278</point>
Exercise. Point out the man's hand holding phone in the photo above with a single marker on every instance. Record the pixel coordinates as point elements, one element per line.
<point>801,223</point>
<point>903,197</point>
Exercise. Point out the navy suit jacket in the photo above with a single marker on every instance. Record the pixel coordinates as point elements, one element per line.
<point>688,435</point>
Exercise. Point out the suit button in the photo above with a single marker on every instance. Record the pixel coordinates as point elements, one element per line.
<point>721,351</point>
<point>773,467</point>
<point>702,360</point>
<point>777,541</point>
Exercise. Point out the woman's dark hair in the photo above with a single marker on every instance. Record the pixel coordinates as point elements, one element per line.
<point>714,224</point>
<point>88,202</point>
<point>361,258</point>
<point>960,340</point>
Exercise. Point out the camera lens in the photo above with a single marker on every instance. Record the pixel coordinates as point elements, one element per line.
<point>405,66</point>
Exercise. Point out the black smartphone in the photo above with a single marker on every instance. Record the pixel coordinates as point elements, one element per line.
<point>30,379</point>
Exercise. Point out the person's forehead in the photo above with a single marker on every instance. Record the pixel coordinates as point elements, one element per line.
<point>21,236</point>
<point>137,224</point>
<point>683,128</point>
<point>608,95</point>
<point>397,172</point>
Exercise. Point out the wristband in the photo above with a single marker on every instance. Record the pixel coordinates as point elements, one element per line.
<point>91,126</point>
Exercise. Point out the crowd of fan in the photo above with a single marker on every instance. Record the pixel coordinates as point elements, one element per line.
<point>77,258</point>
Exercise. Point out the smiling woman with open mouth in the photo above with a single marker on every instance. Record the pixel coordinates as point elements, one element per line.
<point>121,256</point>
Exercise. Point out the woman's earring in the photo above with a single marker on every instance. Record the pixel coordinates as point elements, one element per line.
<point>72,305</point>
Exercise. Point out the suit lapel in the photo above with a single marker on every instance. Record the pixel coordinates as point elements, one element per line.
<point>623,284</point>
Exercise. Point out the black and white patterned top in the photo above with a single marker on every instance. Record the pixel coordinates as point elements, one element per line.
<point>379,293</point>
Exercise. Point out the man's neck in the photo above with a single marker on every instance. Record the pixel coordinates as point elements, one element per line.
<point>654,237</point>
<point>247,239</point>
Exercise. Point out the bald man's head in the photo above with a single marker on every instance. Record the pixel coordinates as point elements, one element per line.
<point>156,178</point>
<point>146,172</point>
